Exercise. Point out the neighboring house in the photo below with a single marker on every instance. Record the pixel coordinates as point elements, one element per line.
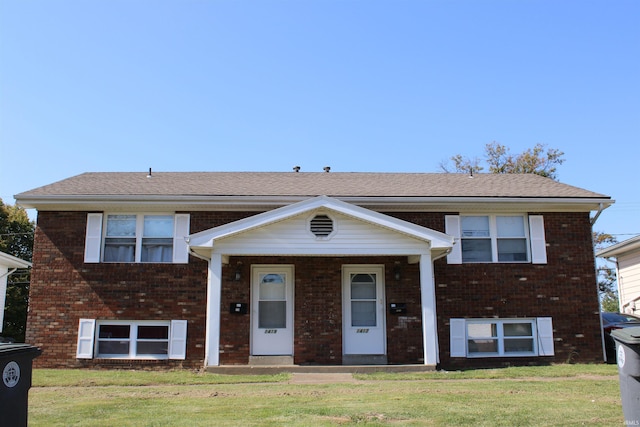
<point>222,268</point>
<point>8,265</point>
<point>626,256</point>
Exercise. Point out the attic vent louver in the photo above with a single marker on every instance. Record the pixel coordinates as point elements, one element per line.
<point>321,225</point>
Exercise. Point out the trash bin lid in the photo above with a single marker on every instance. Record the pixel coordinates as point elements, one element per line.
<point>627,335</point>
<point>12,349</point>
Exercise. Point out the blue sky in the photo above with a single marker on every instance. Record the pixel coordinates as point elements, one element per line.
<point>358,85</point>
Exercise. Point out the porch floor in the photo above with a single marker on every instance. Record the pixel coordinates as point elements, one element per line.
<point>314,369</point>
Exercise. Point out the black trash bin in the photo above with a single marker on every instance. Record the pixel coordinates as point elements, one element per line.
<point>628,353</point>
<point>15,366</point>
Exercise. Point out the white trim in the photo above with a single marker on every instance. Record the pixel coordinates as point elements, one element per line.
<point>180,234</point>
<point>93,238</point>
<point>537,239</point>
<point>86,332</point>
<point>452,227</point>
<point>11,261</point>
<point>429,319</point>
<point>214,297</point>
<point>260,203</point>
<point>178,340</point>
<point>458,338</point>
<point>533,235</point>
<point>542,336</point>
<point>132,339</point>
<point>364,340</point>
<point>206,238</point>
<point>263,342</point>
<point>545,336</point>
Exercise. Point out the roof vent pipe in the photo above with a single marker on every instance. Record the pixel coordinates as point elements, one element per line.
<point>149,176</point>
<point>327,168</point>
<point>296,168</point>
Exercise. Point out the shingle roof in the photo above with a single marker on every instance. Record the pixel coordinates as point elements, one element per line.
<point>334,184</point>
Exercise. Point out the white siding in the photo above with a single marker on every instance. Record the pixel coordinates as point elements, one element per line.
<point>629,280</point>
<point>292,236</point>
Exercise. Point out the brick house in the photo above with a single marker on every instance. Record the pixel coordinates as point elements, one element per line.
<point>219,269</point>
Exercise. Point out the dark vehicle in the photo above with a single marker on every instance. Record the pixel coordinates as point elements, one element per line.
<point>612,321</point>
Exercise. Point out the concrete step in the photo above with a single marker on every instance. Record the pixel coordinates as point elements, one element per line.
<point>318,369</point>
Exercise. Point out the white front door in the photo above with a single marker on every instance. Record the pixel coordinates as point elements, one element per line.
<point>272,310</point>
<point>363,305</point>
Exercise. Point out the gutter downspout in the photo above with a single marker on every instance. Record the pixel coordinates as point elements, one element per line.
<point>601,208</point>
<point>593,244</point>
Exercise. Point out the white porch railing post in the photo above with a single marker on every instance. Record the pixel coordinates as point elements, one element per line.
<point>429,319</point>
<point>214,291</point>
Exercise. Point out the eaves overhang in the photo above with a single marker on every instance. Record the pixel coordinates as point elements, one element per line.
<point>262,203</point>
<point>621,248</point>
<point>12,261</point>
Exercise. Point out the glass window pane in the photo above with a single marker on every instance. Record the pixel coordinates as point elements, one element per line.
<point>476,250</point>
<point>152,347</point>
<point>518,330</point>
<point>157,250</point>
<point>483,346</point>
<point>272,314</point>
<point>121,225</point>
<point>475,226</point>
<point>510,226</point>
<point>363,290</point>
<point>482,330</point>
<point>114,331</point>
<point>158,226</point>
<point>363,313</point>
<point>113,347</point>
<point>272,287</point>
<point>512,250</point>
<point>119,250</point>
<point>519,345</point>
<point>153,332</point>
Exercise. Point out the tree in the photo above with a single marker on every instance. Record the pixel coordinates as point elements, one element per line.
<point>499,160</point>
<point>16,238</point>
<point>607,281</point>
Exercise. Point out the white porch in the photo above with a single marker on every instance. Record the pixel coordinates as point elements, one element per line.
<point>320,226</point>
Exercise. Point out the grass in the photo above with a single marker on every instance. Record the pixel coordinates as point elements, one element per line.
<point>541,396</point>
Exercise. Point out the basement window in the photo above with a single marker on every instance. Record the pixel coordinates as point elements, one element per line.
<point>321,226</point>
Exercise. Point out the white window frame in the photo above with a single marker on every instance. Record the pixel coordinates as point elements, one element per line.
<point>133,339</point>
<point>97,230</point>
<point>501,338</point>
<point>493,236</point>
<point>139,235</point>
<point>541,335</point>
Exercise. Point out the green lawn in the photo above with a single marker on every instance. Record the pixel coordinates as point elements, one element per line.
<point>540,396</point>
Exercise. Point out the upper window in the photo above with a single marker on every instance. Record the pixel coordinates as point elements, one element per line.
<point>137,238</point>
<point>494,238</point>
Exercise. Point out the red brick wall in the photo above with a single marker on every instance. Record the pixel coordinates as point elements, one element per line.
<point>564,289</point>
<point>65,289</point>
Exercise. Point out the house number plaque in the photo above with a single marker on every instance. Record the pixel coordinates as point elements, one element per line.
<point>362,331</point>
<point>270,331</point>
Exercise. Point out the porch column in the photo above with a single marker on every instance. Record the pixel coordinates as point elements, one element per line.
<point>214,291</point>
<point>429,320</point>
